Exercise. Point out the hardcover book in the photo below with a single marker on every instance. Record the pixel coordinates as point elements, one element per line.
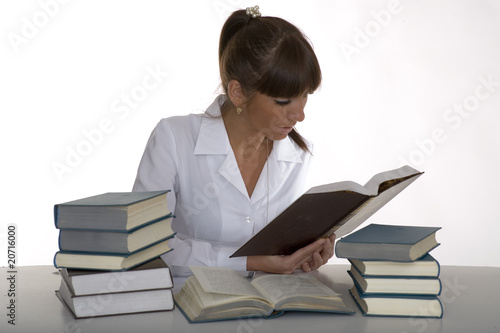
<point>213,294</point>
<point>154,274</point>
<point>82,240</point>
<point>110,261</point>
<point>415,285</point>
<point>333,208</point>
<point>120,211</point>
<point>425,266</point>
<point>397,306</point>
<point>87,306</point>
<point>388,242</point>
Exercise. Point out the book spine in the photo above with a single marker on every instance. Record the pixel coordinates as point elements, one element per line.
<point>56,215</point>
<point>59,241</point>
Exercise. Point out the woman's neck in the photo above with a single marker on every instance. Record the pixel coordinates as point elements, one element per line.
<point>251,148</point>
<point>245,139</point>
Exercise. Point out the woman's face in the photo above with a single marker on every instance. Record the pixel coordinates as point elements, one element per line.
<point>275,117</point>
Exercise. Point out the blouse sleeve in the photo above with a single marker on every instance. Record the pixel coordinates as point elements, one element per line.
<point>158,170</point>
<point>158,167</point>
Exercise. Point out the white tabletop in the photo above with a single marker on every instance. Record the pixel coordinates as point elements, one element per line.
<point>470,299</point>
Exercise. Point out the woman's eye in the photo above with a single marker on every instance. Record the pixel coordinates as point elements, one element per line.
<point>282,102</point>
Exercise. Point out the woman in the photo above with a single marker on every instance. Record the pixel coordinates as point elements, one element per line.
<point>237,166</point>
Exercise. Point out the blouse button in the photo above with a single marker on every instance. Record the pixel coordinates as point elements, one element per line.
<point>248,219</point>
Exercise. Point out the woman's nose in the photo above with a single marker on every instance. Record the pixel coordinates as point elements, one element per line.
<point>296,111</point>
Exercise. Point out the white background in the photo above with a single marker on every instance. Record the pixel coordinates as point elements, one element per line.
<point>404,83</point>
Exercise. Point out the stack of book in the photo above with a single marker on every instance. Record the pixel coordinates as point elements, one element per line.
<point>109,249</point>
<point>393,272</point>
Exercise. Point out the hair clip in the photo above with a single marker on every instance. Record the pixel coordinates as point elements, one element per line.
<point>253,11</point>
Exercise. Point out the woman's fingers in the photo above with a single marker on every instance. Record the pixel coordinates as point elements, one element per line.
<point>321,256</point>
<point>308,258</point>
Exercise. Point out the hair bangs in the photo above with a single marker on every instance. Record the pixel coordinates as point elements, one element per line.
<point>292,71</point>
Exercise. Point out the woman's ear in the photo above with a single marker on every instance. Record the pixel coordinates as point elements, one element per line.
<point>235,93</point>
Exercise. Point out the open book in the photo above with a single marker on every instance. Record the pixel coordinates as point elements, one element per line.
<point>332,208</point>
<point>214,293</point>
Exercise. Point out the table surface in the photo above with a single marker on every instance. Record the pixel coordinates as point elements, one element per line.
<point>470,298</point>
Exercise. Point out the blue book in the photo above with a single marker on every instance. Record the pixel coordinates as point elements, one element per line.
<point>425,266</point>
<point>116,211</point>
<point>82,240</point>
<point>414,285</point>
<point>388,242</point>
<point>397,305</point>
<point>110,261</point>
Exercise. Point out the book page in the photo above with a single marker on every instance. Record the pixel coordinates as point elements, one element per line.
<point>223,281</point>
<point>209,299</point>
<point>370,207</point>
<point>277,287</point>
<point>395,175</point>
<point>371,187</point>
<point>339,186</point>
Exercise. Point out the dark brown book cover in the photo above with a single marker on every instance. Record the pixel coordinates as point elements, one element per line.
<point>324,209</point>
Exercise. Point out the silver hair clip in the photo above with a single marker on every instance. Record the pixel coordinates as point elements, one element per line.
<point>253,11</point>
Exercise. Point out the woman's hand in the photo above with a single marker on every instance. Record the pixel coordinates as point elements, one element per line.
<point>308,258</point>
<point>320,258</point>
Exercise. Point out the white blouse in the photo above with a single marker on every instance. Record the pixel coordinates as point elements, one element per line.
<point>214,216</point>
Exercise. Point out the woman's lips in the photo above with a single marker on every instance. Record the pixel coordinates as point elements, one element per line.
<point>286,130</point>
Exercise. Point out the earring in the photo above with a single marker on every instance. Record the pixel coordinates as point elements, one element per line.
<point>238,110</point>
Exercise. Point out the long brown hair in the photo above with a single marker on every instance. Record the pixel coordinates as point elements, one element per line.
<point>267,55</point>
